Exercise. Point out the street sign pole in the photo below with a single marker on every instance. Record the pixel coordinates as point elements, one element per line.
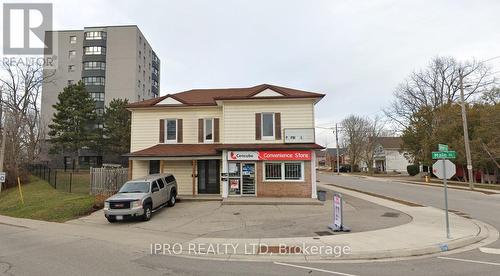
<point>445,182</point>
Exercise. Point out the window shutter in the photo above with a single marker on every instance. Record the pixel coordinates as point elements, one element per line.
<point>258,125</point>
<point>216,130</point>
<point>179,130</point>
<point>277,126</point>
<point>200,130</point>
<point>162,131</point>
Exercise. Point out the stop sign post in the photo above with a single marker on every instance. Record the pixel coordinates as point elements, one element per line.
<point>444,169</point>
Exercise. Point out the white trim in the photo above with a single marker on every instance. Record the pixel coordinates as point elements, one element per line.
<point>268,93</point>
<point>283,179</point>
<point>205,131</point>
<point>263,137</point>
<point>168,100</point>
<point>167,141</point>
<point>225,184</point>
<point>314,190</point>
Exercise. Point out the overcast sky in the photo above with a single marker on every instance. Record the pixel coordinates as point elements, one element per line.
<point>356,52</point>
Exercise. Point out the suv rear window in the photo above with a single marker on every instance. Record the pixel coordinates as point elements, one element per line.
<point>170,179</point>
<point>161,183</point>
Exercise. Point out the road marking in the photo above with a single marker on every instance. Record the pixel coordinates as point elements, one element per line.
<point>490,250</point>
<point>468,261</point>
<point>315,269</point>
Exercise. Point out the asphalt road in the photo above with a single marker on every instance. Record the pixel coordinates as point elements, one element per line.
<point>27,252</point>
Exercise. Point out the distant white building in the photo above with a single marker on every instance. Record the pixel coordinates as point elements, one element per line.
<point>388,155</point>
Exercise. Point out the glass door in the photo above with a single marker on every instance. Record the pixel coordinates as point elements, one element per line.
<point>248,179</point>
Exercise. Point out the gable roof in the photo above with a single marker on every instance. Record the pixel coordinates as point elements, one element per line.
<point>390,142</point>
<point>208,97</point>
<point>333,151</point>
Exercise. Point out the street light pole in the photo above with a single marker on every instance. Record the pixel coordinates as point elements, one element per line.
<point>466,133</point>
<point>4,137</point>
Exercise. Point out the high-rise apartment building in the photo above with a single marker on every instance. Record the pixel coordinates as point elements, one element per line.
<point>112,61</point>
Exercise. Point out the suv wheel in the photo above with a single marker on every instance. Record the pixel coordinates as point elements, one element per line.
<point>111,220</point>
<point>172,200</point>
<point>147,213</point>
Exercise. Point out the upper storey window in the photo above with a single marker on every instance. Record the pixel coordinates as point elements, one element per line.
<point>95,35</point>
<point>94,50</point>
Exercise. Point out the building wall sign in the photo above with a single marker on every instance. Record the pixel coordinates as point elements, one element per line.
<point>299,135</point>
<point>271,155</point>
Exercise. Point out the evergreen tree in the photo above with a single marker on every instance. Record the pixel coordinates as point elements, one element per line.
<point>73,123</point>
<point>117,127</point>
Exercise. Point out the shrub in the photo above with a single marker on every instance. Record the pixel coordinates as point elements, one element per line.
<point>413,169</point>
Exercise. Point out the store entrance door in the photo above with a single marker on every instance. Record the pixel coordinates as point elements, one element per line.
<point>248,179</point>
<point>241,179</point>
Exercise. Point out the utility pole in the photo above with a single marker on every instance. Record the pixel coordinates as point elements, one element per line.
<point>337,142</point>
<point>466,133</point>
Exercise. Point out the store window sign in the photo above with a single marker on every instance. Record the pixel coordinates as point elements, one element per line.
<point>270,155</point>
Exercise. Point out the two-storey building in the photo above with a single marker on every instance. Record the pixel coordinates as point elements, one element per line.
<point>256,141</point>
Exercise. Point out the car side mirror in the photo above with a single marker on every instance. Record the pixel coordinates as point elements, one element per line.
<point>155,189</point>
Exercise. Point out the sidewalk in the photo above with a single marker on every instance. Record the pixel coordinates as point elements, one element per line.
<point>424,234</point>
<point>433,184</point>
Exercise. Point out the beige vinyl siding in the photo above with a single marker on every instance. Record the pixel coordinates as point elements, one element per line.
<point>145,124</point>
<point>182,171</point>
<point>239,118</point>
<point>140,168</point>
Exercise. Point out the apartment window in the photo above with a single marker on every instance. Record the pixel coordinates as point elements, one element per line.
<point>94,50</point>
<point>94,65</point>
<point>139,53</point>
<point>268,125</point>
<point>72,53</point>
<point>155,83</point>
<point>93,80</point>
<point>71,82</point>
<point>284,171</point>
<point>139,83</point>
<point>95,35</point>
<point>209,129</point>
<point>71,68</point>
<point>72,39</point>
<point>171,130</point>
<point>98,97</point>
<point>139,68</point>
<point>155,71</point>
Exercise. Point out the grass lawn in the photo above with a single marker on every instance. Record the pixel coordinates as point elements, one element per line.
<point>43,202</point>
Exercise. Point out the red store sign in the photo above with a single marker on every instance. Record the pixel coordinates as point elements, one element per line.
<point>270,155</point>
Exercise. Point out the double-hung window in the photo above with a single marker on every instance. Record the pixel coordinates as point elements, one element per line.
<point>284,171</point>
<point>268,126</point>
<point>209,130</point>
<point>171,131</point>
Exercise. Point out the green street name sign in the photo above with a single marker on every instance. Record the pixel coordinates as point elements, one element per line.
<point>442,147</point>
<point>444,154</point>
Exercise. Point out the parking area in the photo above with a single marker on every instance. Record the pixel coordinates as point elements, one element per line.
<point>211,219</point>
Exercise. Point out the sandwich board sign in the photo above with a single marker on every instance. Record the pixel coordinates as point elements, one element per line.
<point>337,224</point>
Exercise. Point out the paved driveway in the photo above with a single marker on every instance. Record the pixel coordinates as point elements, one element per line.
<point>211,219</point>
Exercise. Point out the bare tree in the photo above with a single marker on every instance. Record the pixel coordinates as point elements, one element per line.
<point>374,130</point>
<point>355,136</point>
<point>20,86</point>
<point>436,85</point>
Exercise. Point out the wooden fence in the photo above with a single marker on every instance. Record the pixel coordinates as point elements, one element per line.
<point>107,181</point>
